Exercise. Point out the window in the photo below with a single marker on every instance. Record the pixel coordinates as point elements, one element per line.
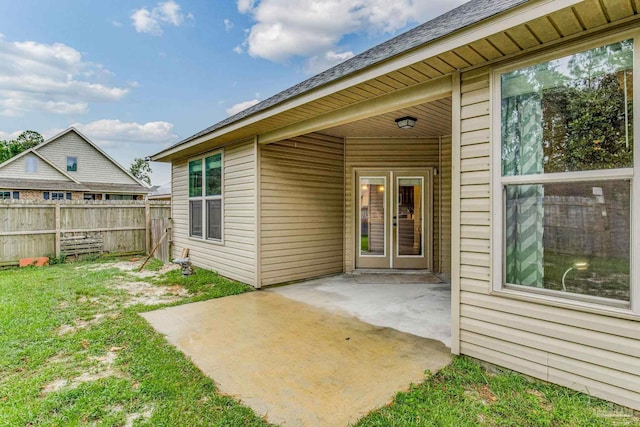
<point>55,195</point>
<point>72,164</point>
<point>119,197</point>
<point>5,195</point>
<point>31,164</point>
<point>205,197</point>
<point>566,175</point>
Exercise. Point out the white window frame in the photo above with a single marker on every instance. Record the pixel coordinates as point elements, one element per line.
<point>422,208</point>
<point>384,213</point>
<point>76,163</point>
<point>498,182</point>
<point>204,198</point>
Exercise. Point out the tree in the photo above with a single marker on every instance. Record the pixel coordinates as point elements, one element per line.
<point>141,170</point>
<point>26,140</point>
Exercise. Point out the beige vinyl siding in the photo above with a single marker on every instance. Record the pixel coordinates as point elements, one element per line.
<point>93,166</point>
<point>595,353</point>
<point>442,205</point>
<point>301,212</point>
<point>17,169</point>
<point>397,154</point>
<point>236,256</point>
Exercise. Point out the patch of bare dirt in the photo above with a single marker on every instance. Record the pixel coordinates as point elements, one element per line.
<point>139,292</point>
<point>148,294</point>
<point>144,414</point>
<point>482,394</point>
<point>103,369</point>
<point>132,267</point>
<point>79,324</point>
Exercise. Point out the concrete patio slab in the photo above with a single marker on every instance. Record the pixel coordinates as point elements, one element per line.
<point>294,363</point>
<point>417,303</point>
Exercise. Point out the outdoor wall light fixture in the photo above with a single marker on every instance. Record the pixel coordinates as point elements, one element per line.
<point>406,122</point>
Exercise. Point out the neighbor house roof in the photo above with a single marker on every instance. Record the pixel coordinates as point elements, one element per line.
<point>102,187</point>
<point>41,184</point>
<point>456,19</point>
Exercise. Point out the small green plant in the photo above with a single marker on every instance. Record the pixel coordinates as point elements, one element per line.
<point>54,260</point>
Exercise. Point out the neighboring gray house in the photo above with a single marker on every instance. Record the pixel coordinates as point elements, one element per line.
<point>517,179</point>
<point>67,166</point>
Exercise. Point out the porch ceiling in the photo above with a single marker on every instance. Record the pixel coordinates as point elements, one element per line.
<point>434,120</point>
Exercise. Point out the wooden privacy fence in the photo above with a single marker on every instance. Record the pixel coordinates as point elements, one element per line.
<point>46,228</point>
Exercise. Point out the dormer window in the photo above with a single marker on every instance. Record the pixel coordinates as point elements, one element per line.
<point>31,165</point>
<point>72,164</point>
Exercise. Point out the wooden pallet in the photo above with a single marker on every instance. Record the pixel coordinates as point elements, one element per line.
<point>82,245</point>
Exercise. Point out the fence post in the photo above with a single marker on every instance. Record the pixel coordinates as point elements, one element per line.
<point>57,220</point>
<point>147,226</point>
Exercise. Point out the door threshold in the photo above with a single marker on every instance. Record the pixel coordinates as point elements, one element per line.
<point>388,271</point>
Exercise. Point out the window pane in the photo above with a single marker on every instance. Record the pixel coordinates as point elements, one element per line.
<point>16,195</point>
<point>570,237</point>
<point>31,165</point>
<point>213,167</point>
<point>72,164</point>
<point>195,218</point>
<point>195,178</point>
<point>5,195</point>
<point>570,114</point>
<point>214,219</point>
<point>409,221</point>
<point>372,210</point>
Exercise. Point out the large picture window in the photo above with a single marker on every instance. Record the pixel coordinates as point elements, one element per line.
<point>205,197</point>
<point>566,175</point>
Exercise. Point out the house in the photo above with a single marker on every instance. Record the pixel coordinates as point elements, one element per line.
<point>67,166</point>
<point>494,143</point>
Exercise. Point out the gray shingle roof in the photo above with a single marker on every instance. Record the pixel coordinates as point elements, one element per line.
<point>454,20</point>
<point>119,188</point>
<point>40,184</point>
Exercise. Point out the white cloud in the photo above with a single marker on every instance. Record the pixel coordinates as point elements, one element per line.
<point>238,49</point>
<point>228,25</point>
<point>241,106</point>
<point>152,21</point>
<point>53,78</point>
<point>7,136</point>
<point>245,6</point>
<point>314,28</point>
<point>110,132</point>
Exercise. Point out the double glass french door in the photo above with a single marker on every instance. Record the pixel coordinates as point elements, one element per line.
<point>393,219</point>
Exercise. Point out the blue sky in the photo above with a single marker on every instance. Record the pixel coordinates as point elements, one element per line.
<point>137,76</point>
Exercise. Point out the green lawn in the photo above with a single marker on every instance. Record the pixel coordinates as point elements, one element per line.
<point>74,352</point>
